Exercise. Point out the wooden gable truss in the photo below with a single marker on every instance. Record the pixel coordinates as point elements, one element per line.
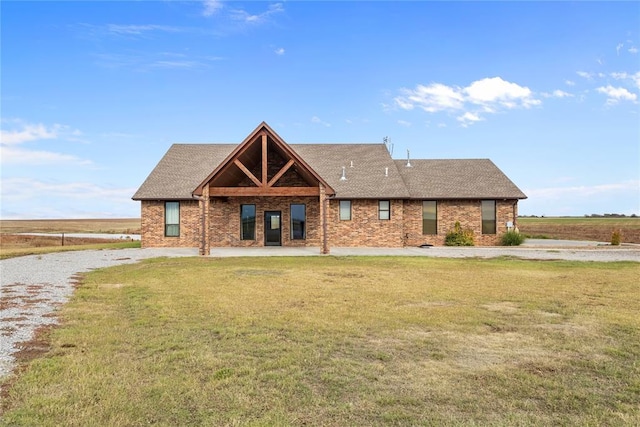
<point>259,166</point>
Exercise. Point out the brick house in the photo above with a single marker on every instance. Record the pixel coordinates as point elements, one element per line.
<point>266,192</point>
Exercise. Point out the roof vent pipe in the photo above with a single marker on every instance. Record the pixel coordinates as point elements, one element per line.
<point>351,165</point>
<point>386,172</point>
<point>408,160</point>
<point>344,174</point>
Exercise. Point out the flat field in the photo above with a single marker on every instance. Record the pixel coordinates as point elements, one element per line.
<point>337,341</point>
<point>12,244</point>
<point>581,228</point>
<point>109,226</point>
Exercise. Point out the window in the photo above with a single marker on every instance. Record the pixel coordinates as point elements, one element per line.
<point>345,210</point>
<point>172,219</point>
<point>298,222</point>
<point>248,222</point>
<point>429,217</point>
<point>384,209</point>
<point>488,217</point>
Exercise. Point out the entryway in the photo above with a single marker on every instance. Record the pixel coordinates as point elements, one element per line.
<point>272,228</point>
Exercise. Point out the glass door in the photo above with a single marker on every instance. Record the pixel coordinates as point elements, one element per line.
<point>272,228</point>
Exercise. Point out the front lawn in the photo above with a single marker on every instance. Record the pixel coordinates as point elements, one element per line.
<point>341,341</point>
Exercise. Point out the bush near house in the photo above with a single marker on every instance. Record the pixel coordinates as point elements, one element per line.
<point>512,238</point>
<point>459,236</point>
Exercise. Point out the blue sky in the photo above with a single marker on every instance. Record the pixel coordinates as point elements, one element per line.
<point>94,93</point>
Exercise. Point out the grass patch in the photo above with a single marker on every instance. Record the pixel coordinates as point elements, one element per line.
<point>12,252</point>
<point>341,341</point>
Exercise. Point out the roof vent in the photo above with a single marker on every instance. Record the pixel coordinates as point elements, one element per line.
<point>386,172</point>
<point>344,174</point>
<point>408,165</point>
<point>351,165</point>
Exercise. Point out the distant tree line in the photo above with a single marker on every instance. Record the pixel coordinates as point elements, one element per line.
<point>606,215</point>
<point>610,215</point>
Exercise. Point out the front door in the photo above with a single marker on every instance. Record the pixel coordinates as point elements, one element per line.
<point>272,228</point>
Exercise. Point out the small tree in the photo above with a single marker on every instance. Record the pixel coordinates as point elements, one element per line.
<point>616,238</point>
<point>459,236</point>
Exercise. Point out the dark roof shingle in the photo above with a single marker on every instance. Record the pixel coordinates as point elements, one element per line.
<point>457,179</point>
<point>185,166</point>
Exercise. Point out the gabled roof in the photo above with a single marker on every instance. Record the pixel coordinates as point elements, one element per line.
<point>258,142</point>
<point>181,170</point>
<point>369,169</point>
<point>457,179</point>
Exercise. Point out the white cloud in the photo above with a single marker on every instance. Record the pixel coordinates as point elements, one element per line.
<point>432,98</point>
<point>244,16</point>
<point>468,119</point>
<point>28,132</point>
<point>279,51</point>
<point>618,47</point>
<point>617,94</point>
<point>317,120</point>
<point>176,64</point>
<point>569,82</point>
<point>488,95</point>
<point>585,75</point>
<point>10,153</point>
<point>22,188</point>
<point>211,7</point>
<point>404,123</point>
<point>633,50</point>
<point>32,198</point>
<point>138,30</point>
<point>20,156</point>
<point>634,78</point>
<point>497,90</point>
<point>557,94</point>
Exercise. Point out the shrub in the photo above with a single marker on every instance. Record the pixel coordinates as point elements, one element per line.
<point>512,238</point>
<point>616,237</point>
<point>459,236</point>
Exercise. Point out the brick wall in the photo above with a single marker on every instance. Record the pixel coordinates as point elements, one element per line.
<point>364,228</point>
<point>467,212</point>
<point>224,214</point>
<point>152,225</point>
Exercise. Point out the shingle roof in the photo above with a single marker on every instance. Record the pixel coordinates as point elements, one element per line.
<point>185,166</point>
<point>366,179</point>
<point>457,179</point>
<point>181,170</point>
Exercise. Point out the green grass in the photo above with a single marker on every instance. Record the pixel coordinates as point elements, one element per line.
<point>16,252</point>
<point>341,341</point>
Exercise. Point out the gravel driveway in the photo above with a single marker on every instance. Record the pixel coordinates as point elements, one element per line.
<point>34,287</point>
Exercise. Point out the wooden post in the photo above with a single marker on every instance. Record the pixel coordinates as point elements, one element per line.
<point>323,221</point>
<point>205,244</point>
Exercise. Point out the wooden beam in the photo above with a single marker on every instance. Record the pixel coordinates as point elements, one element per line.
<point>281,172</point>
<point>247,172</point>
<point>264,191</point>
<point>264,160</point>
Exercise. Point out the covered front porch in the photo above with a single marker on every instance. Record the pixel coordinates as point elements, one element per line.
<point>263,194</point>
